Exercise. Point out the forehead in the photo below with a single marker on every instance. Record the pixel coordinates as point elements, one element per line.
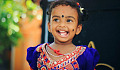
<point>64,10</point>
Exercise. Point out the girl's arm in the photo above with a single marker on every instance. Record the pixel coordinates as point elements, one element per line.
<point>32,56</point>
<point>92,58</point>
<point>89,59</point>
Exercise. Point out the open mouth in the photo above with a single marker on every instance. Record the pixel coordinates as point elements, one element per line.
<point>63,33</point>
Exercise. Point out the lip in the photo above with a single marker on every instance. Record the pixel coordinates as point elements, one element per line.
<point>62,33</point>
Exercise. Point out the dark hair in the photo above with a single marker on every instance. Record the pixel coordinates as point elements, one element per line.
<point>71,3</point>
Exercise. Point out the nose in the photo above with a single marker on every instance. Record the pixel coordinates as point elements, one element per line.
<point>62,24</point>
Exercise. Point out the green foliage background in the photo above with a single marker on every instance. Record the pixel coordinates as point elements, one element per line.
<point>10,13</point>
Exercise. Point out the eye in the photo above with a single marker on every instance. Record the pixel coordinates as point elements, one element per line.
<point>56,20</point>
<point>69,20</point>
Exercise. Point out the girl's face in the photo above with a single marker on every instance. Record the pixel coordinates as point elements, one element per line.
<point>64,24</point>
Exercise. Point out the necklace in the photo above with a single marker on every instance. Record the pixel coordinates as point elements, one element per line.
<point>56,51</point>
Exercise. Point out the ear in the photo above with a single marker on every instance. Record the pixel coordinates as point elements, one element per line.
<point>49,27</point>
<point>79,28</point>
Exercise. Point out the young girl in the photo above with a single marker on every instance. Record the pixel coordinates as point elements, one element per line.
<point>65,18</point>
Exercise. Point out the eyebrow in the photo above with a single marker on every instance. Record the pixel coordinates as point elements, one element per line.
<point>70,17</point>
<point>55,16</point>
<point>65,17</point>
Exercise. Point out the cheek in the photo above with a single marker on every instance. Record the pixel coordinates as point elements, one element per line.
<point>53,27</point>
<point>73,28</point>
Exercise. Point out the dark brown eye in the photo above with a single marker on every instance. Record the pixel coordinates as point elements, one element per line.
<point>69,20</point>
<point>56,20</point>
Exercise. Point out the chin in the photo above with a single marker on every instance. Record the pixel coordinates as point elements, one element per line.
<point>64,41</point>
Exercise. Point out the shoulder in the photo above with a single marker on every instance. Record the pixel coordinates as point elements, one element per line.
<point>91,51</point>
<point>33,54</point>
<point>89,58</point>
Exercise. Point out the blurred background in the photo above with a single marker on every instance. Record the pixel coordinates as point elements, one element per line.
<point>23,24</point>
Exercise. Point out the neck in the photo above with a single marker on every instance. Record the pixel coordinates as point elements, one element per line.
<point>61,45</point>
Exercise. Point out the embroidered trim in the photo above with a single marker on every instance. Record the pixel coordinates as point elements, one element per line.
<point>44,58</point>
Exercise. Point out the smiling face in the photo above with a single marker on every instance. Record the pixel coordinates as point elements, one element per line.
<point>64,24</point>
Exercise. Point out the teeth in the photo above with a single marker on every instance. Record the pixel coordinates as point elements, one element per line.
<point>61,34</point>
<point>62,31</point>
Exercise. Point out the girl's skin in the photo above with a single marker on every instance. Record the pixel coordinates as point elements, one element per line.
<point>63,29</point>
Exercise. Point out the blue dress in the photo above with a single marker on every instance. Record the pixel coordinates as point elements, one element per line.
<point>82,58</point>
